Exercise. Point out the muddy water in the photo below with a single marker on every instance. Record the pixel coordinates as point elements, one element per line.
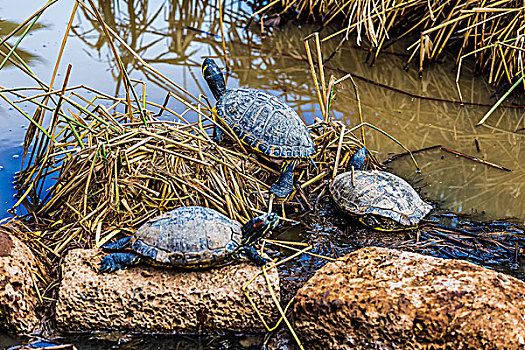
<point>157,342</point>
<point>174,37</point>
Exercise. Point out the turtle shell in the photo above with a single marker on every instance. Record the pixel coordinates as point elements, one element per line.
<point>188,237</point>
<point>265,123</point>
<point>379,193</point>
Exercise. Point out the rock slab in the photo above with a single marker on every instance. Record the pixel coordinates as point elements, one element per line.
<point>377,298</point>
<point>150,299</point>
<point>17,291</point>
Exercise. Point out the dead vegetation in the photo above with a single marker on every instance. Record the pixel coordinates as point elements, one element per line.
<point>491,31</point>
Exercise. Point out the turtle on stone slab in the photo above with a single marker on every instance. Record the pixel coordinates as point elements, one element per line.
<point>191,238</point>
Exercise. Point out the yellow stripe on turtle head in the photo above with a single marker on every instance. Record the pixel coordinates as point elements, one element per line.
<point>215,114</point>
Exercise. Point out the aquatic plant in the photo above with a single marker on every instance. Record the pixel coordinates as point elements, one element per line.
<point>488,31</point>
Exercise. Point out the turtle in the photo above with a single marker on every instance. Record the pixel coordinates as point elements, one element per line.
<point>192,238</point>
<point>263,122</point>
<point>381,200</point>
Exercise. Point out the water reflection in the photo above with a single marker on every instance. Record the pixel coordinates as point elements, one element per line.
<point>12,124</point>
<point>160,32</point>
<point>6,27</point>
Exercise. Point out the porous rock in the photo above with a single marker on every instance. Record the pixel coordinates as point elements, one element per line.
<point>151,299</point>
<point>17,291</point>
<point>377,298</point>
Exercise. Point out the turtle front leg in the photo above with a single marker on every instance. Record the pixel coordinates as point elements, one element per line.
<point>217,132</point>
<point>118,245</point>
<point>283,187</point>
<point>118,261</point>
<point>250,253</point>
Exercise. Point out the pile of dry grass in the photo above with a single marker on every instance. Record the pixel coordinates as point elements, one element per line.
<point>490,31</point>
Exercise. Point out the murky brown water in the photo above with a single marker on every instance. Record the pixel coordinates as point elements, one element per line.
<point>175,36</point>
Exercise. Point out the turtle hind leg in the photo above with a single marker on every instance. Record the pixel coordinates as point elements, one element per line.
<point>217,134</point>
<point>381,223</point>
<point>117,245</point>
<point>118,261</point>
<point>283,187</point>
<point>250,253</point>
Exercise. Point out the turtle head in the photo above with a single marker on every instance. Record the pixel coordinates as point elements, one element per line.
<point>213,76</point>
<point>359,160</point>
<point>258,227</point>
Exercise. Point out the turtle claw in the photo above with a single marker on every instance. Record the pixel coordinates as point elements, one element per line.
<point>280,190</point>
<point>266,260</point>
<point>108,265</point>
<point>283,187</point>
<point>120,244</point>
<point>262,262</point>
<point>217,135</point>
<point>251,254</point>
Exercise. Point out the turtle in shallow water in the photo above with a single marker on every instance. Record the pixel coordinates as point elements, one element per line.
<point>263,122</point>
<point>190,237</point>
<point>381,200</point>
